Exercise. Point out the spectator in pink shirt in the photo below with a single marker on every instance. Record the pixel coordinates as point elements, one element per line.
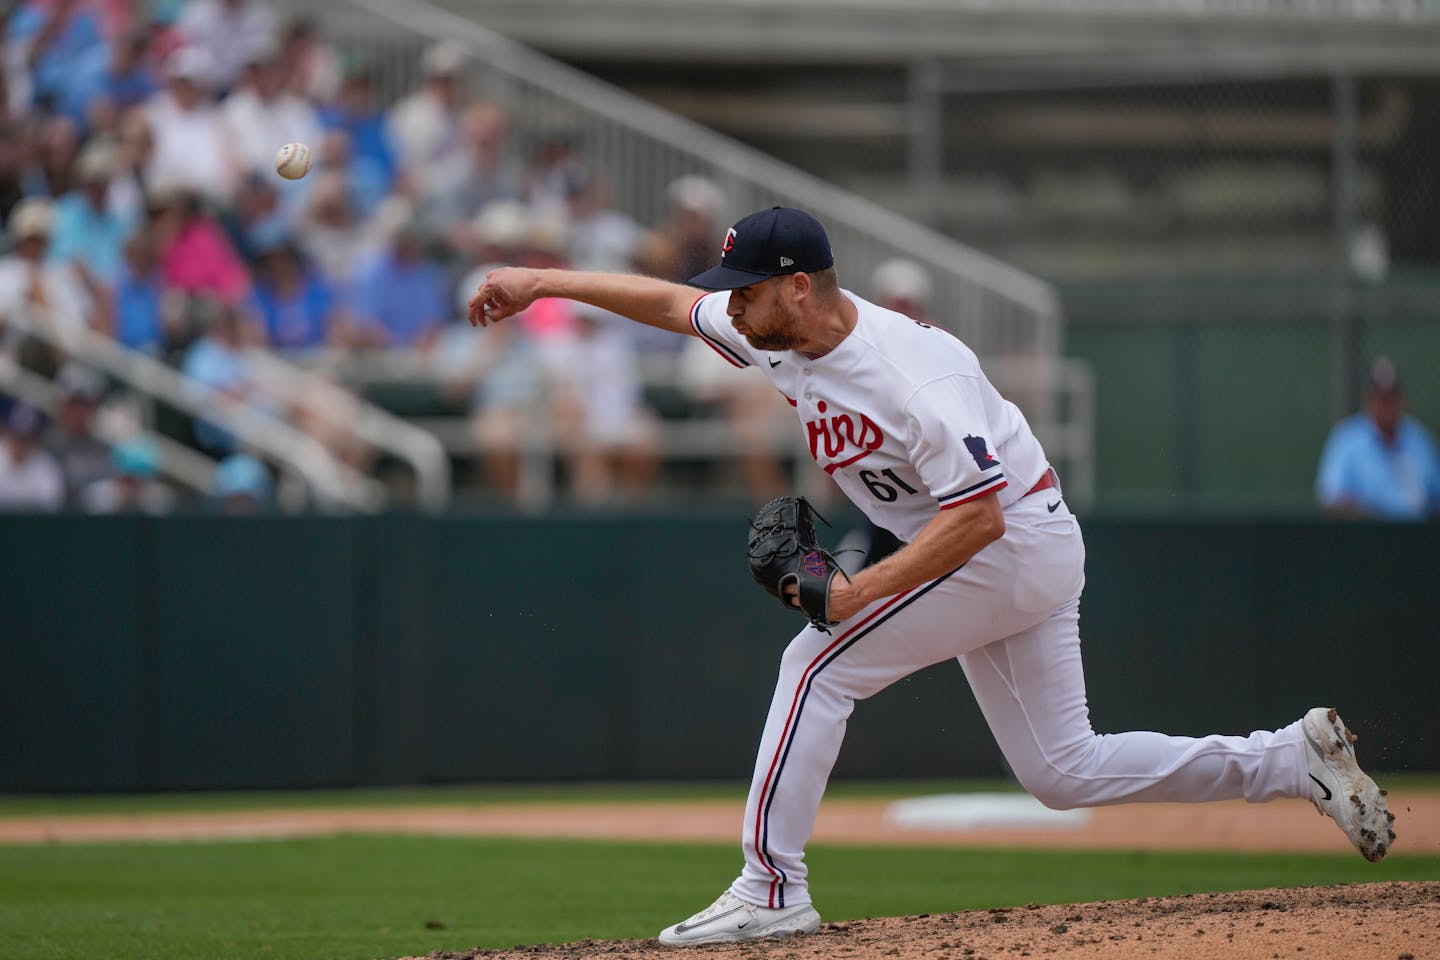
<point>194,254</point>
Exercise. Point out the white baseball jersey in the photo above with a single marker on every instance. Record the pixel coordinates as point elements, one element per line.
<point>902,417</point>
<point>899,414</point>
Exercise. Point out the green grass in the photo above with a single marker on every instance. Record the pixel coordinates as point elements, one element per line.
<point>373,896</point>
<point>487,794</point>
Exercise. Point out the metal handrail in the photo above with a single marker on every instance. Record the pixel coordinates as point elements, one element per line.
<point>1057,394</point>
<point>177,461</point>
<point>995,306</point>
<point>335,484</point>
<point>376,427</point>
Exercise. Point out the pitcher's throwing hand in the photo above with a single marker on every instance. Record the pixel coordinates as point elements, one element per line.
<point>505,292</point>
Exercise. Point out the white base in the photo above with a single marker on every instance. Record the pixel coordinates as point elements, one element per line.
<point>981,811</point>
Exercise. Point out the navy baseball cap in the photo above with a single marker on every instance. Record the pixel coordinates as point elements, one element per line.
<point>768,243</point>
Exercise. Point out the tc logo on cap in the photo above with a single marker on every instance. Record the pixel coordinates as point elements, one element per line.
<point>765,244</point>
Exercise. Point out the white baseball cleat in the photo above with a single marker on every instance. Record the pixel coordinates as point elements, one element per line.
<point>730,918</point>
<point>1341,790</point>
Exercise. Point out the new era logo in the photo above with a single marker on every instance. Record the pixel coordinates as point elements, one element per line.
<point>786,262</point>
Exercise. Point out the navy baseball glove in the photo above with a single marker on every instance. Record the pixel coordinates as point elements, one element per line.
<point>783,550</point>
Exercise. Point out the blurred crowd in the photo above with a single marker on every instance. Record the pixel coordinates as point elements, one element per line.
<point>140,202</point>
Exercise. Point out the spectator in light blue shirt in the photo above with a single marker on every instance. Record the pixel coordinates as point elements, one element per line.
<point>399,298</point>
<point>1380,463</point>
<point>218,361</point>
<point>87,231</point>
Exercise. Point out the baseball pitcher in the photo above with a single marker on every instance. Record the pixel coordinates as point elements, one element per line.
<point>901,415</point>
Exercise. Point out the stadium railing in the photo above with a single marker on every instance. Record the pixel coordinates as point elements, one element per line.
<point>998,309</point>
<point>1010,318</point>
<point>334,484</point>
<point>179,463</point>
<point>1057,395</point>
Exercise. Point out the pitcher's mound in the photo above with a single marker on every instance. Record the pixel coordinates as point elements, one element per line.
<point>1372,921</point>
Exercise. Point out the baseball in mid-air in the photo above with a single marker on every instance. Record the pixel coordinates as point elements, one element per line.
<point>292,161</point>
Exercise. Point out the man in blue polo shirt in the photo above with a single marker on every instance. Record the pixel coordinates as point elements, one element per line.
<point>399,298</point>
<point>1379,462</point>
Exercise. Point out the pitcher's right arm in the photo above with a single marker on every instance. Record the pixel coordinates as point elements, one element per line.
<point>657,303</point>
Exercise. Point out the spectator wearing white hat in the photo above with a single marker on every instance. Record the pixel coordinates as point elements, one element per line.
<point>684,245</point>
<point>192,146</point>
<point>750,406</point>
<point>30,479</point>
<point>88,232</point>
<point>903,286</point>
<point>52,295</point>
<point>496,235</point>
<point>501,383</point>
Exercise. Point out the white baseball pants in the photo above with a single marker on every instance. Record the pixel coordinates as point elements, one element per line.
<point>1011,616</point>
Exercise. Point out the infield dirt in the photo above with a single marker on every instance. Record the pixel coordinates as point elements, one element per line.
<point>1373,921</point>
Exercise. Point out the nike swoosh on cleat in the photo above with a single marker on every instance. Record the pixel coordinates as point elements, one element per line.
<point>1051,506</point>
<point>1322,786</point>
<point>682,928</point>
<point>775,363</point>
<point>747,923</point>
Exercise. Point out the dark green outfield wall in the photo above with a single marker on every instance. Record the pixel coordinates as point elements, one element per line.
<point>1217,394</point>
<point>205,652</point>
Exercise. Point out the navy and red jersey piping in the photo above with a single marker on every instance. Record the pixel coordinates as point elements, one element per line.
<point>731,355</point>
<point>973,492</point>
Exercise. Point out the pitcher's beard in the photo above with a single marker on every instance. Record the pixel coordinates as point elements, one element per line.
<point>784,333</point>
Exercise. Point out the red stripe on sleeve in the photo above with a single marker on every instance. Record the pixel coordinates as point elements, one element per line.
<point>976,496</point>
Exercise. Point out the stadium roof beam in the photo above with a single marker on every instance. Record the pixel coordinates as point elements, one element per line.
<point>1370,36</point>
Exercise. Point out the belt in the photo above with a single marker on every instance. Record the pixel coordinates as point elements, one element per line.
<point>1050,479</point>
